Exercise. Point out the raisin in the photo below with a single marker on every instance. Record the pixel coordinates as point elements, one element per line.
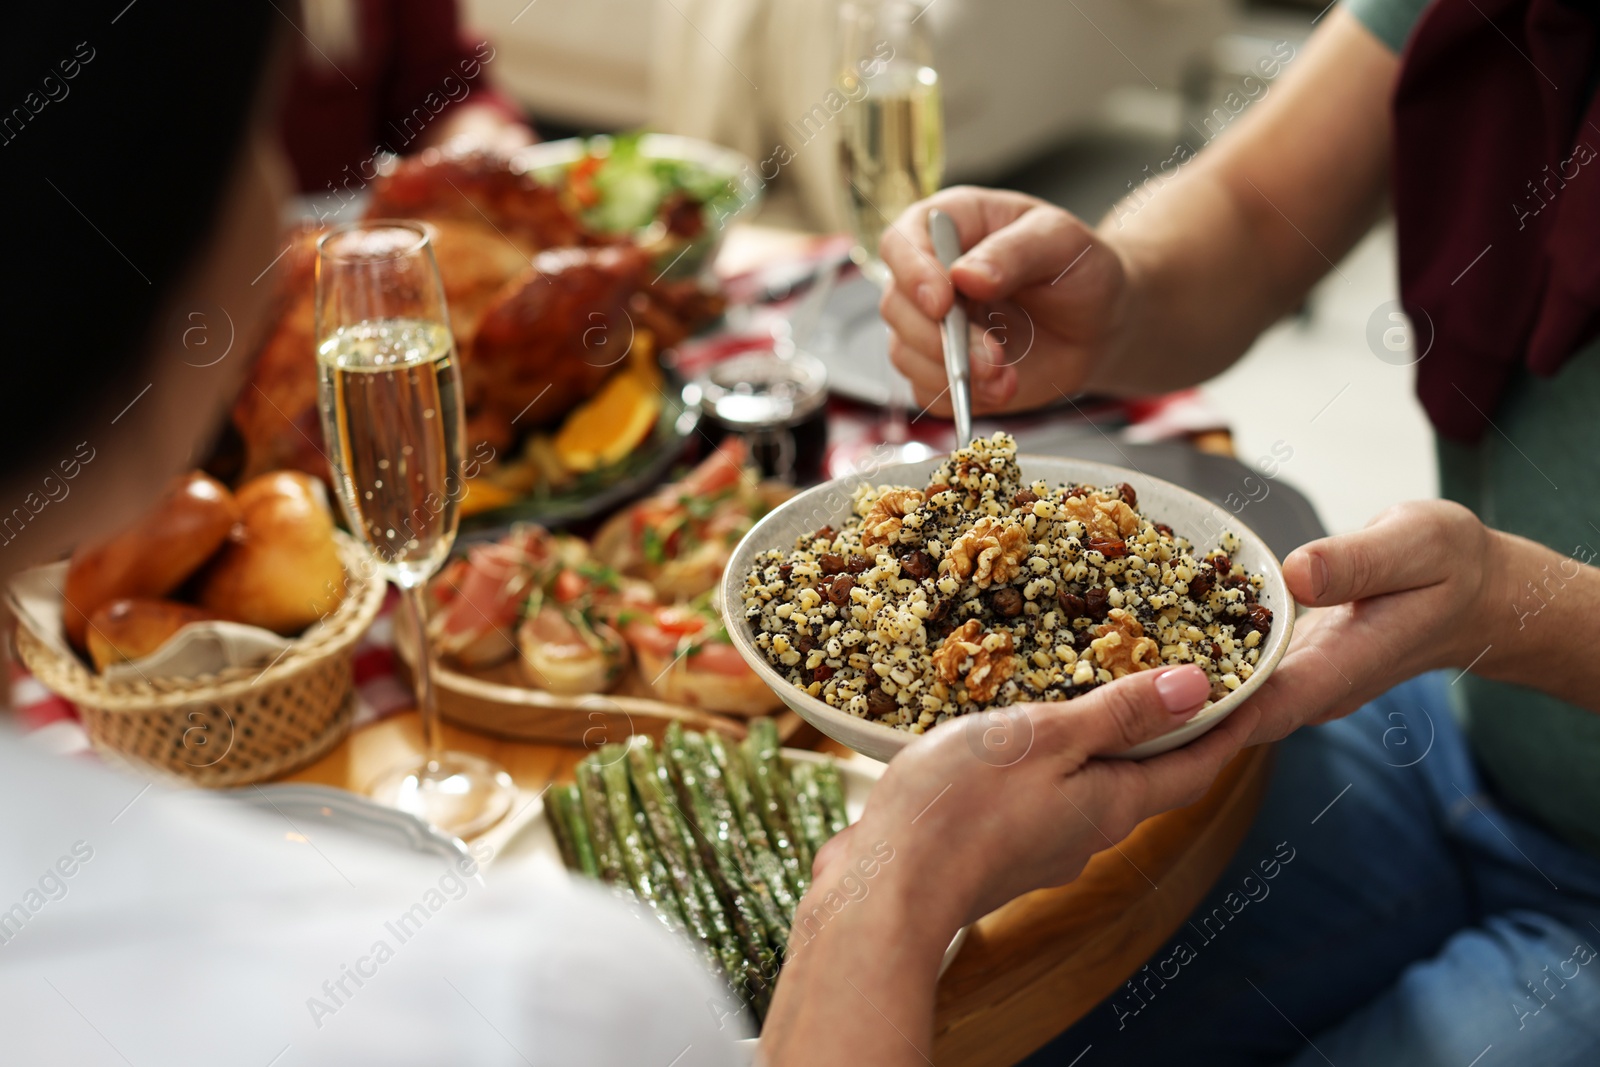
<point>1006,601</point>
<point>938,610</point>
<point>1221,562</point>
<point>1164,530</point>
<point>784,570</point>
<point>1096,602</point>
<point>917,564</point>
<point>1260,618</point>
<point>1213,650</point>
<point>1235,581</point>
<point>1082,639</point>
<point>879,703</point>
<point>1110,547</point>
<point>1201,583</point>
<point>1025,498</point>
<point>822,673</point>
<point>858,564</point>
<point>1071,603</point>
<point>826,533</point>
<point>805,643</point>
<point>838,591</point>
<point>832,563</point>
<point>1129,497</point>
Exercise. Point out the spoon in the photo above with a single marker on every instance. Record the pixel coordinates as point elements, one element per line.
<point>957,362</point>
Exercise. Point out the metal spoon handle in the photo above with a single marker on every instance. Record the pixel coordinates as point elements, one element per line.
<point>957,361</point>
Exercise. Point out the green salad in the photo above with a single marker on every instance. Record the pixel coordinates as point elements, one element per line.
<point>616,188</point>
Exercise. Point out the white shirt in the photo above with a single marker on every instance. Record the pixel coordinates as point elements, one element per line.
<point>145,927</point>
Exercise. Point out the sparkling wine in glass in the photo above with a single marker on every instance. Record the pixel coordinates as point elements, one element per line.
<point>891,154</point>
<point>390,388</point>
<point>891,141</point>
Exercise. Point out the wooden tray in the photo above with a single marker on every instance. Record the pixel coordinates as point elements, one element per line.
<point>498,702</point>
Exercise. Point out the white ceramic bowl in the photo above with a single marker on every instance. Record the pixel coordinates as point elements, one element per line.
<point>1191,516</point>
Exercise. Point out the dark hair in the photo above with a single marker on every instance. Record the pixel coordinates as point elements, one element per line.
<point>120,125</point>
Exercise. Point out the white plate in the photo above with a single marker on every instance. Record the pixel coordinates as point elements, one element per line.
<point>1191,516</point>
<point>311,807</point>
<point>852,342</point>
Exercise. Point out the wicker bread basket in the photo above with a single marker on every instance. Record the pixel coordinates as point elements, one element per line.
<point>241,725</point>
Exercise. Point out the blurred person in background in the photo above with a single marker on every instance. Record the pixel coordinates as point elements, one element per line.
<point>370,77</point>
<point>1422,885</point>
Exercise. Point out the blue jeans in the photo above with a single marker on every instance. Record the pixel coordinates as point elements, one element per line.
<point>1382,910</point>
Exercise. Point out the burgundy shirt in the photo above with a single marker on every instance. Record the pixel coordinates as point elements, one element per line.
<point>1497,202</point>
<point>412,65</point>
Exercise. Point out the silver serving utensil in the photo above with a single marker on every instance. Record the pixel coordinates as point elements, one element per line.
<point>957,361</point>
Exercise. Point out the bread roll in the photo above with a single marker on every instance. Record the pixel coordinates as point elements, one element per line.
<point>152,557</point>
<point>280,568</point>
<point>133,628</point>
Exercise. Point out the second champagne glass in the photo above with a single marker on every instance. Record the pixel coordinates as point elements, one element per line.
<point>891,141</point>
<point>389,383</point>
<point>891,154</point>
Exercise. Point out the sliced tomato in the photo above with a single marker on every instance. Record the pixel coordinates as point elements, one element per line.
<point>679,621</point>
<point>570,585</point>
<point>580,180</point>
<point>718,471</point>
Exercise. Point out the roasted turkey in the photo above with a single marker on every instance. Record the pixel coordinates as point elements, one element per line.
<point>542,311</point>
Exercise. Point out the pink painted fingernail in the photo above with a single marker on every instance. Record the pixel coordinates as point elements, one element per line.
<point>1182,688</point>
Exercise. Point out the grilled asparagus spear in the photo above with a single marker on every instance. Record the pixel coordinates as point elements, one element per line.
<point>763,856</point>
<point>643,870</point>
<point>832,788</point>
<point>773,784</point>
<point>702,910</point>
<point>744,914</point>
<point>808,808</point>
<point>597,820</point>
<point>572,835</point>
<point>730,835</point>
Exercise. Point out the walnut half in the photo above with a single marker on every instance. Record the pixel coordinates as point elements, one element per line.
<point>881,526</point>
<point>1122,647</point>
<point>1105,517</point>
<point>990,553</point>
<point>990,655</point>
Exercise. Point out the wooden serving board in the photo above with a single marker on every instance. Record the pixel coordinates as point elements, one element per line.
<point>499,702</point>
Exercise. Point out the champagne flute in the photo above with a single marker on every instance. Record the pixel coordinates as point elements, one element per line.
<point>891,154</point>
<point>891,143</point>
<point>390,388</point>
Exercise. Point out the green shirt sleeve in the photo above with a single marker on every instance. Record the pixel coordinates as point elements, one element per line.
<point>1389,20</point>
